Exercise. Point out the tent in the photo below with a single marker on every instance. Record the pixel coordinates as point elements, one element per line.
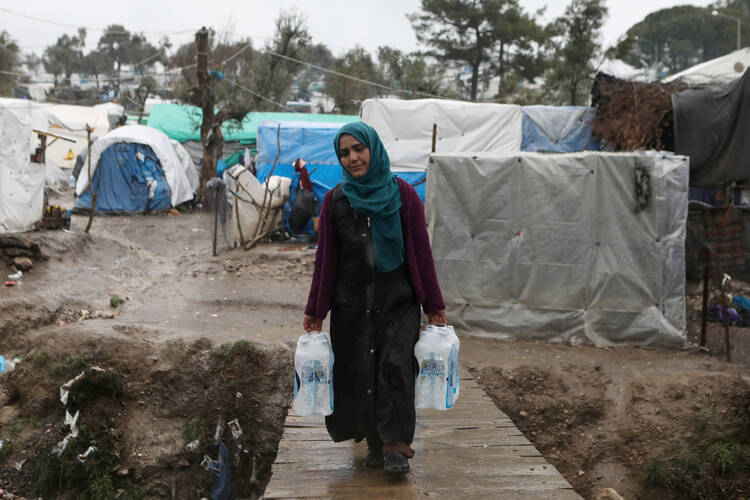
<point>181,122</point>
<point>135,169</point>
<point>558,129</point>
<point>21,181</point>
<point>711,126</point>
<point>313,142</point>
<point>723,69</point>
<point>405,127</point>
<point>73,122</point>
<point>562,247</point>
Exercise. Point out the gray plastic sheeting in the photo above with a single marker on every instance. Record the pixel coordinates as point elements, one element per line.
<point>550,246</point>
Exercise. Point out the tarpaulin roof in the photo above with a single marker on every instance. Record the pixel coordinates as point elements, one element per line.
<point>723,69</point>
<point>711,126</point>
<point>182,122</point>
<point>558,129</point>
<point>405,127</point>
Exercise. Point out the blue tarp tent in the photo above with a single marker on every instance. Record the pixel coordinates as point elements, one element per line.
<point>126,173</point>
<point>558,129</point>
<point>313,142</point>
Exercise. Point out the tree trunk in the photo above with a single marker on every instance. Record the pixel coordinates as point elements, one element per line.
<point>501,68</point>
<point>212,137</point>
<point>474,80</point>
<point>573,91</point>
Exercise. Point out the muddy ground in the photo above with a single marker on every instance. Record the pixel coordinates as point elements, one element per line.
<point>202,339</point>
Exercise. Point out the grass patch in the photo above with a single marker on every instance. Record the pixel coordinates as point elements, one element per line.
<point>116,301</point>
<point>92,480</point>
<point>40,359</point>
<point>724,455</point>
<point>6,450</point>
<point>16,428</point>
<point>69,367</point>
<point>230,350</point>
<point>94,385</point>
<point>195,429</point>
<point>655,474</point>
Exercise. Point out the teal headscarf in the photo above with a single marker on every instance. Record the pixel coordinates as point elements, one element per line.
<point>376,195</point>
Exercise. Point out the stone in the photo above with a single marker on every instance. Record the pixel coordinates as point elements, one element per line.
<point>23,263</point>
<point>608,494</point>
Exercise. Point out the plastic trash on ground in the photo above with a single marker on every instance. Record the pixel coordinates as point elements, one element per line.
<point>234,426</point>
<point>222,488</point>
<point>438,381</point>
<point>313,375</point>
<point>8,365</point>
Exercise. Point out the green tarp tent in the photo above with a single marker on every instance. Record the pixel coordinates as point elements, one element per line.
<point>182,122</point>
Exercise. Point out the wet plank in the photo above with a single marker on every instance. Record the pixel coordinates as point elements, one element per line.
<point>470,451</point>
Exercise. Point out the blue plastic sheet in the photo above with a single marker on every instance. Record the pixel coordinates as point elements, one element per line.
<point>125,175</point>
<point>222,488</point>
<point>558,129</point>
<point>313,142</point>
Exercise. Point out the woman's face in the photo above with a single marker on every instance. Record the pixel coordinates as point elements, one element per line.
<point>355,156</point>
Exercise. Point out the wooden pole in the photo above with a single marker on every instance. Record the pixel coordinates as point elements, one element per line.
<point>216,218</point>
<point>724,309</point>
<point>434,136</point>
<point>91,183</point>
<point>264,211</point>
<point>704,315</point>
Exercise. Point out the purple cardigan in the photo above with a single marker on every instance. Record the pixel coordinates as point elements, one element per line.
<point>418,256</point>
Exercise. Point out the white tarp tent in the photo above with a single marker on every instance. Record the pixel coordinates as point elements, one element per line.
<point>74,120</point>
<point>405,127</point>
<point>723,69</point>
<point>179,172</point>
<point>21,181</point>
<point>550,246</point>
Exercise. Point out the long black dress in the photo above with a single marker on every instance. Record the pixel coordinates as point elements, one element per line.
<point>374,327</point>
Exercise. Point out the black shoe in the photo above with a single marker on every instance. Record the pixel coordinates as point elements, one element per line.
<point>396,464</point>
<point>374,458</point>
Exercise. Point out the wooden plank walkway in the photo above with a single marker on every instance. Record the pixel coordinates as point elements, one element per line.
<point>470,451</point>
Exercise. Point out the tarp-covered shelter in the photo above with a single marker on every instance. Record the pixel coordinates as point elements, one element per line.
<point>181,122</point>
<point>558,129</point>
<point>21,181</point>
<point>723,69</point>
<point>74,121</point>
<point>712,126</point>
<point>564,247</point>
<point>405,127</point>
<point>313,142</point>
<point>136,168</point>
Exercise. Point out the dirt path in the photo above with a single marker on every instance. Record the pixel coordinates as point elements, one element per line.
<point>202,338</point>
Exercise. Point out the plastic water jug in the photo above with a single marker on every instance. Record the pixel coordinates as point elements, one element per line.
<point>438,382</point>
<point>313,375</point>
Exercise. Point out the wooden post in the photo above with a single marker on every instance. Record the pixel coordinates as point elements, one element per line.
<point>216,218</point>
<point>91,182</point>
<point>724,309</point>
<point>264,211</point>
<point>434,136</point>
<point>704,315</point>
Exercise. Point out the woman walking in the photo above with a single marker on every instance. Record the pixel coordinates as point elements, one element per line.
<point>373,269</point>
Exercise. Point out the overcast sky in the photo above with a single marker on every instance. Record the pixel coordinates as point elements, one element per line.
<point>338,24</point>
